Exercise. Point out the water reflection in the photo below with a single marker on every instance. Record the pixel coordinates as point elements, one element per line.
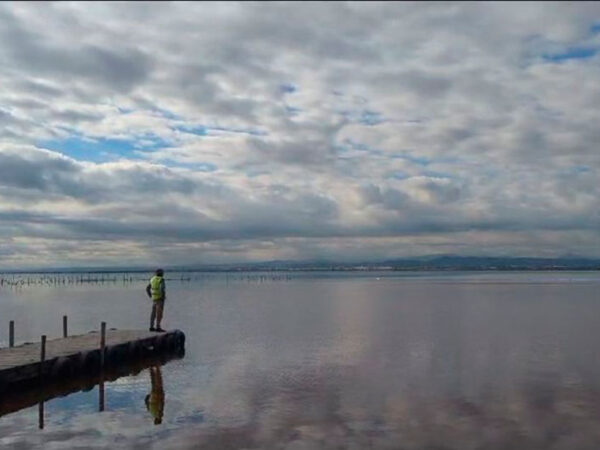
<point>330,406</point>
<point>41,415</point>
<point>341,363</point>
<point>155,400</point>
<point>19,399</point>
<point>101,402</point>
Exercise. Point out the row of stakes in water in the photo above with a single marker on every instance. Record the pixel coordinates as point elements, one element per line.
<point>27,280</point>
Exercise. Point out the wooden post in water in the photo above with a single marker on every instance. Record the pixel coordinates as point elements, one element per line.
<point>42,359</point>
<point>102,355</point>
<point>11,333</point>
<point>65,334</point>
<point>42,355</point>
<point>102,344</point>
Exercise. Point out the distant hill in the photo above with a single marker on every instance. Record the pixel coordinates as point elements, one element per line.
<point>425,263</point>
<point>445,262</point>
<point>497,263</point>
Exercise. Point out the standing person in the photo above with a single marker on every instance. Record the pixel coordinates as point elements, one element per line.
<point>157,292</point>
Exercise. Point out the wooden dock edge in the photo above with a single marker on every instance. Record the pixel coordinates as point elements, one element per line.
<point>88,362</point>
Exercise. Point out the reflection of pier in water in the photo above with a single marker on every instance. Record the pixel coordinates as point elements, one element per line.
<point>13,401</point>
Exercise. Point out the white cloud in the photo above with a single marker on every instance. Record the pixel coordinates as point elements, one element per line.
<point>406,120</point>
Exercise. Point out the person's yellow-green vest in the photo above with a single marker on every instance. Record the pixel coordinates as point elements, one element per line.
<point>155,290</point>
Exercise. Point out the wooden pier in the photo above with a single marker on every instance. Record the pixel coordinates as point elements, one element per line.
<point>87,354</point>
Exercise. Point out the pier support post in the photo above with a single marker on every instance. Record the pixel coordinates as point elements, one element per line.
<point>42,354</point>
<point>102,362</point>
<point>102,344</point>
<point>11,334</point>
<point>65,334</point>
<point>42,360</point>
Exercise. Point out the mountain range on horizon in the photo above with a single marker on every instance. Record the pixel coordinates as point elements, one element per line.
<point>429,262</point>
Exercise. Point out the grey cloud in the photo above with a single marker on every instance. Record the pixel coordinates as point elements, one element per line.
<point>392,199</point>
<point>6,117</point>
<point>255,221</point>
<point>397,200</point>
<point>29,103</point>
<point>45,111</point>
<point>310,144</point>
<point>35,173</point>
<point>423,84</point>
<point>120,69</point>
<point>143,180</point>
<point>444,193</point>
<point>73,117</point>
<point>370,194</point>
<point>51,175</point>
<point>308,152</point>
<point>286,24</point>
<point>38,88</point>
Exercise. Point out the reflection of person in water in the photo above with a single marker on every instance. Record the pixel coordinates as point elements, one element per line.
<point>155,401</point>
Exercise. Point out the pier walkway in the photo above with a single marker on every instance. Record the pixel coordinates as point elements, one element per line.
<point>85,354</point>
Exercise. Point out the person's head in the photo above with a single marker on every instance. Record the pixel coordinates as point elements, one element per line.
<point>159,272</point>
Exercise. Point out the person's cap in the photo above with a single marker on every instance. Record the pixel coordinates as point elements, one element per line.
<point>159,271</point>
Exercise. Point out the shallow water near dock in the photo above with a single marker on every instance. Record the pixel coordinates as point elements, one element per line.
<point>429,360</point>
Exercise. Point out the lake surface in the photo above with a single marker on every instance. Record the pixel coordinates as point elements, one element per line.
<point>331,360</point>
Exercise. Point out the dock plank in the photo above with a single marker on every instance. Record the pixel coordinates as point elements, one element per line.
<point>73,355</point>
<point>30,353</point>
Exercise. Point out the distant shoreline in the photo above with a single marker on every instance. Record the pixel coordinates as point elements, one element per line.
<point>245,270</point>
<point>442,263</point>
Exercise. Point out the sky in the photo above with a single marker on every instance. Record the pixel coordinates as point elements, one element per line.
<point>205,133</point>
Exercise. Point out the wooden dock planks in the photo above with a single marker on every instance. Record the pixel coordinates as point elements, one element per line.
<point>55,348</point>
<point>22,363</point>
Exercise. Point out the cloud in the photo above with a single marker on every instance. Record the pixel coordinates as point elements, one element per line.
<point>298,130</point>
<point>120,68</point>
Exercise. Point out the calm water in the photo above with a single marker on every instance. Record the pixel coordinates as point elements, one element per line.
<point>410,361</point>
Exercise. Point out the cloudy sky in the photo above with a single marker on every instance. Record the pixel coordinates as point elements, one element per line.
<point>155,133</point>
